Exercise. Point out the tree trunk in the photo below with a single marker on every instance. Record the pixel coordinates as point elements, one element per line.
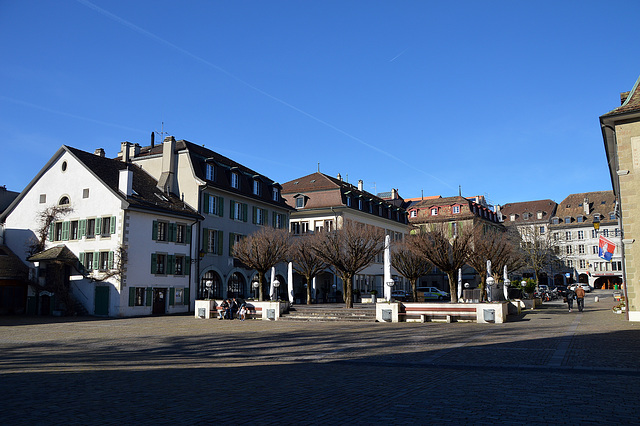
<point>348,293</point>
<point>261,286</point>
<point>414,289</point>
<point>308,290</point>
<point>453,285</point>
<point>483,286</point>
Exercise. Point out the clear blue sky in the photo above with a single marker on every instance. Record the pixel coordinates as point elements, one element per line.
<point>500,97</point>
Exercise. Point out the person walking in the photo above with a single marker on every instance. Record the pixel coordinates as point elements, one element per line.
<point>569,298</point>
<point>580,298</point>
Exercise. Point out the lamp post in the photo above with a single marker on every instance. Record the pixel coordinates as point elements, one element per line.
<point>490,282</point>
<point>276,284</point>
<point>390,284</point>
<point>255,284</point>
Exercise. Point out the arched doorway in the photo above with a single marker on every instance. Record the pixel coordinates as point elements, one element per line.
<point>216,285</point>
<point>583,279</point>
<point>236,286</point>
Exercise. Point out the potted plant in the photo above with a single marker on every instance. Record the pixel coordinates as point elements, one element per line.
<point>374,296</point>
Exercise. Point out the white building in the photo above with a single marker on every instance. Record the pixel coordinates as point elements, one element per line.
<point>124,246</point>
<point>234,200</point>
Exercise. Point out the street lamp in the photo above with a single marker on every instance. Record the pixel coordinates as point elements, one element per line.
<point>596,223</point>
<point>507,283</point>
<point>390,284</point>
<point>276,284</point>
<point>490,282</point>
<point>255,284</point>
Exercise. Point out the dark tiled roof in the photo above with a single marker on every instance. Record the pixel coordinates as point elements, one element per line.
<point>631,103</point>
<point>201,156</point>
<point>147,195</point>
<point>6,198</point>
<point>601,202</point>
<point>11,267</point>
<point>58,253</point>
<point>547,207</point>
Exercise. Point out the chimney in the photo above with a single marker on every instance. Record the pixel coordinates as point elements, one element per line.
<point>394,194</point>
<point>125,181</point>
<point>134,150</point>
<point>124,151</point>
<point>99,152</point>
<point>498,210</point>
<point>339,177</point>
<point>586,206</point>
<point>153,139</point>
<point>360,185</point>
<point>167,179</point>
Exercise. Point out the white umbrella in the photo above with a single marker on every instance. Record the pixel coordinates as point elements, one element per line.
<point>459,283</point>
<point>271,287</point>
<point>313,288</point>
<point>506,283</point>
<point>290,281</point>
<point>387,267</point>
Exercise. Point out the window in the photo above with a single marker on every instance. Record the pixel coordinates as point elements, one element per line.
<point>581,249</point>
<point>569,249</point>
<point>413,213</point>
<point>235,180</point>
<point>359,203</point>
<point>581,235</point>
<point>106,226</point>
<point>295,228</point>
<point>275,194</point>
<point>257,187</point>
<point>434,211</point>
<point>259,216</point>
<point>455,209</point>
<point>180,233</point>
<point>328,225</point>
<point>57,232</point>
<point>556,236</point>
<point>348,201</point>
<point>158,263</point>
<point>105,256</point>
<point>299,202</point>
<point>161,231</point>
<point>179,265</point>
<point>43,198</point>
<point>213,204</point>
<point>74,230</point>
<point>616,232</point>
<point>612,216</point>
<point>139,297</point>
<point>512,218</point>
<point>63,201</point>
<point>305,227</point>
<point>526,216</point>
<point>88,261</point>
<point>605,232</point>
<point>570,263</point>
<point>91,228</point>
<point>567,219</point>
<point>85,193</point>
<point>278,220</point>
<point>567,235</point>
<point>583,264</point>
<point>210,172</point>
<point>542,230</point>
<point>555,221</point>
<point>594,249</point>
<point>539,215</point>
<point>580,219</point>
<point>594,233</point>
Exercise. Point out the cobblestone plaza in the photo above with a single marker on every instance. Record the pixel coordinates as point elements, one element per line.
<point>544,367</point>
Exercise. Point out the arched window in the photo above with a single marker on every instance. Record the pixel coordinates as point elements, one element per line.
<point>216,285</point>
<point>63,201</point>
<point>236,286</point>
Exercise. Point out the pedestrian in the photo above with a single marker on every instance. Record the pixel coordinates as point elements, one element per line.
<point>243,312</point>
<point>569,298</point>
<point>580,298</point>
<point>224,308</point>
<point>232,309</point>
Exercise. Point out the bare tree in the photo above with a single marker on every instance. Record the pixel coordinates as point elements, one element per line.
<point>446,250</point>
<point>410,264</point>
<point>495,245</point>
<point>349,250</point>
<point>46,218</point>
<point>263,250</point>
<point>305,260</point>
<point>538,250</point>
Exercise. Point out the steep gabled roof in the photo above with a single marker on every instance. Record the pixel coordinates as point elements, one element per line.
<point>547,207</point>
<point>11,267</point>
<point>630,104</point>
<point>600,202</point>
<point>60,253</point>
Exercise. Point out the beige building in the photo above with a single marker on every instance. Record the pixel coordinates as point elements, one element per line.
<point>621,134</point>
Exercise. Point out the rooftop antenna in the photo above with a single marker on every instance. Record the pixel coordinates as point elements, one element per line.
<point>375,188</point>
<point>161,133</point>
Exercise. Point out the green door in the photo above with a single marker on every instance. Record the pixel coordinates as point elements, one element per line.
<point>102,300</point>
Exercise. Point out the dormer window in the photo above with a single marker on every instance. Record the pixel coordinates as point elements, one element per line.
<point>413,213</point>
<point>526,216</point>
<point>555,221</point>
<point>612,216</point>
<point>235,180</point>
<point>455,209</point>
<point>567,219</point>
<point>348,201</point>
<point>257,187</point>
<point>359,203</point>
<point>276,194</point>
<point>539,215</point>
<point>210,172</point>
<point>512,217</point>
<point>299,202</point>
<point>434,211</point>
<point>580,219</point>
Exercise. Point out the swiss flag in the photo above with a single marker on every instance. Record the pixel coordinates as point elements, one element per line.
<point>605,248</point>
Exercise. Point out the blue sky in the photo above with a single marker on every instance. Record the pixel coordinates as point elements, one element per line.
<point>499,97</point>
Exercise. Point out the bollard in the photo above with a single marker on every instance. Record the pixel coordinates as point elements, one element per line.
<point>596,299</point>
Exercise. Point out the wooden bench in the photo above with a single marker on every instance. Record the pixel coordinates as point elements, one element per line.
<point>449,314</point>
<point>252,312</point>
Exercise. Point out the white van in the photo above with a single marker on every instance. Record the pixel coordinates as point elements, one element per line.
<point>432,293</point>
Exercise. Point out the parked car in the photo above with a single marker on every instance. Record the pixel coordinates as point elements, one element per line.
<point>432,293</point>
<point>562,290</point>
<point>400,295</point>
<point>586,287</point>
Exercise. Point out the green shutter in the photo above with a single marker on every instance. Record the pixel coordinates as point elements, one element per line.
<point>149,296</point>
<point>232,237</point>
<point>113,225</point>
<point>255,215</point>
<point>154,231</point>
<point>187,238</point>
<point>52,231</point>
<point>220,242</point>
<point>232,205</point>
<point>245,209</point>
<point>96,260</point>
<point>187,265</point>
<point>173,230</point>
<point>185,296</point>
<point>132,296</point>
<point>154,263</point>
<point>82,228</point>
<point>171,262</point>
<point>65,231</point>
<point>81,258</point>
<point>110,260</point>
<point>205,202</point>
<point>220,211</point>
<point>205,238</point>
<point>172,296</point>
<point>98,225</point>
